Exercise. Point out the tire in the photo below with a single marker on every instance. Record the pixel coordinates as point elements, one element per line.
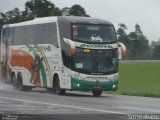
<point>97,93</point>
<point>50,90</point>
<point>56,87</point>
<point>14,81</point>
<point>27,88</point>
<point>20,82</point>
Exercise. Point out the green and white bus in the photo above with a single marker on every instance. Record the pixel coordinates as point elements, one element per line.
<point>62,53</point>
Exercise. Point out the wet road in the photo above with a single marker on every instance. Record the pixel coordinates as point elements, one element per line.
<point>39,101</point>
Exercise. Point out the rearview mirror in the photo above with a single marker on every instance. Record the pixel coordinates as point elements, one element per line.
<point>122,52</point>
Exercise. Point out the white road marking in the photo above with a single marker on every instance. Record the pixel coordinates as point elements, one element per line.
<point>73,107</point>
<point>144,99</point>
<point>135,97</point>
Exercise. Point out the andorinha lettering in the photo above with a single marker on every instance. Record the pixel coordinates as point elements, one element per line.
<point>43,48</point>
<point>96,46</point>
<point>94,77</point>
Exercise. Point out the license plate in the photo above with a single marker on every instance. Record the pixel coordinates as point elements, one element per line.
<point>97,87</point>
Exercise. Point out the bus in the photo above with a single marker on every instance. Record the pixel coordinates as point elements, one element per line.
<point>62,53</point>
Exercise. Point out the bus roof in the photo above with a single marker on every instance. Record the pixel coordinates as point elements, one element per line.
<point>34,21</point>
<point>73,19</point>
<point>68,19</point>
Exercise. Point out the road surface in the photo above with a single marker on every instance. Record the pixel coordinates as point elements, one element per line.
<point>40,102</point>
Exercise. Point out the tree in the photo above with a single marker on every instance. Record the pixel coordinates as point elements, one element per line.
<point>156,52</point>
<point>77,10</point>
<point>41,8</point>
<point>121,32</point>
<point>156,49</point>
<point>140,44</point>
<point>65,11</point>
<point>123,37</point>
<point>1,19</point>
<point>13,16</point>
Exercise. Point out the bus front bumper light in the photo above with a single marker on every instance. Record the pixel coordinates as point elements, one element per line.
<point>114,87</point>
<point>78,85</point>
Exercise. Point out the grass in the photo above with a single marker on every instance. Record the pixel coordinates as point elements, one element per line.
<point>139,79</point>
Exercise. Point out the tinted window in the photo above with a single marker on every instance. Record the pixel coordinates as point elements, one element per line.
<point>24,35</point>
<point>7,35</point>
<point>96,61</point>
<point>93,33</point>
<point>36,34</point>
<point>3,35</point>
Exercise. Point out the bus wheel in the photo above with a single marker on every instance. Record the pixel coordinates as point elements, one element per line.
<point>19,82</point>
<point>50,90</point>
<point>97,93</point>
<point>14,81</point>
<point>56,88</point>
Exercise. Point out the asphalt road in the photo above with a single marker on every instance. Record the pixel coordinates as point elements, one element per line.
<point>39,102</point>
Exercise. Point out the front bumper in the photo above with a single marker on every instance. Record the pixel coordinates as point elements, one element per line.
<point>82,85</point>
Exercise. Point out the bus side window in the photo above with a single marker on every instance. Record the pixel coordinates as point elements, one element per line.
<point>39,34</point>
<point>54,32</point>
<point>3,35</point>
<point>46,34</point>
<point>6,35</point>
<point>10,35</point>
<point>50,34</point>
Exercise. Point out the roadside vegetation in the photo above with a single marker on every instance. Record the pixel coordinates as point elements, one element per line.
<point>139,79</point>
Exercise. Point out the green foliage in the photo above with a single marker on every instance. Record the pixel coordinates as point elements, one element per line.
<point>41,8</point>
<point>136,43</point>
<point>156,52</point>
<point>65,11</point>
<point>77,10</point>
<point>1,19</point>
<point>140,44</point>
<point>156,49</point>
<point>141,79</point>
<point>13,16</point>
<point>123,37</point>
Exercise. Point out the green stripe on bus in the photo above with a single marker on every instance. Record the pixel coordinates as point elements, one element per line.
<point>90,85</point>
<point>43,72</point>
<point>42,69</point>
<point>49,71</point>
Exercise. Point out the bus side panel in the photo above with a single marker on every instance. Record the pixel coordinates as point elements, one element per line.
<point>21,61</point>
<point>66,78</point>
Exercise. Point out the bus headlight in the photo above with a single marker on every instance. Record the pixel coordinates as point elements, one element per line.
<point>114,86</point>
<point>78,85</point>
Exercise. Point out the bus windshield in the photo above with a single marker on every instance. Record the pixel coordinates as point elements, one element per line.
<point>93,33</point>
<point>96,61</point>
